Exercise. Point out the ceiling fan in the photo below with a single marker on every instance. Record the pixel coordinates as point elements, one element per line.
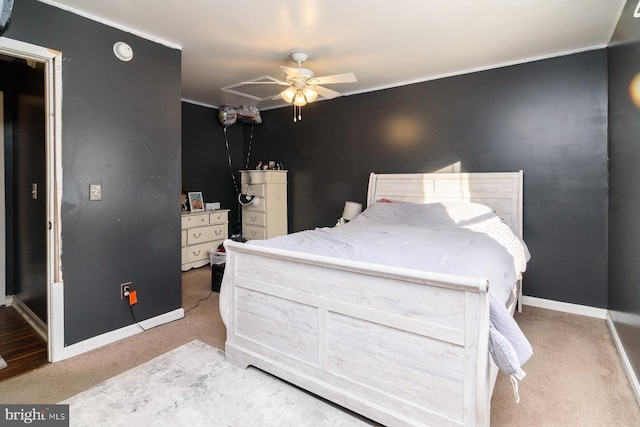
<point>302,85</point>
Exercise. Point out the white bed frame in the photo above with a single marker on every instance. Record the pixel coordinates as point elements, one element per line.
<point>399,346</point>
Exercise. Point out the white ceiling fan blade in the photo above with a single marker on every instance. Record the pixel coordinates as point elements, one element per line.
<point>291,72</point>
<point>335,78</point>
<point>327,93</point>
<point>265,83</point>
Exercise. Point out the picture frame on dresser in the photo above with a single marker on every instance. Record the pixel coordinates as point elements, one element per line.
<point>196,203</point>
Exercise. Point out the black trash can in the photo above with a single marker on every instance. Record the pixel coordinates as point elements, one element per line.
<point>217,271</point>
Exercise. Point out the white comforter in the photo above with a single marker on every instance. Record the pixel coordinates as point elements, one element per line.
<point>465,239</point>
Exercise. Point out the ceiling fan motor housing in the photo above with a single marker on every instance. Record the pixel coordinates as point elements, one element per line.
<point>299,57</point>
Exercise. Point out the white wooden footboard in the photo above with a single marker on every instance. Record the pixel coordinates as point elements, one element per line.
<point>402,347</point>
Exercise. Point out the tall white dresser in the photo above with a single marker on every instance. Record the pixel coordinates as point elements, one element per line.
<point>269,218</point>
<point>202,231</point>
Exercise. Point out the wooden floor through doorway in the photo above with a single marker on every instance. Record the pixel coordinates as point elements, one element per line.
<point>22,348</point>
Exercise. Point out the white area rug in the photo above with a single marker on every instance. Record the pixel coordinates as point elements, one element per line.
<point>194,386</point>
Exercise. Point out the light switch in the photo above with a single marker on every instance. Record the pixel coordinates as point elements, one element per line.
<point>95,192</point>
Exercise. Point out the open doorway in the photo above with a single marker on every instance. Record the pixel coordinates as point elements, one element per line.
<point>33,267</point>
<point>23,322</point>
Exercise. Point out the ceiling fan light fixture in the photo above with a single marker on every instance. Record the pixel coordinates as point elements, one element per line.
<point>288,94</point>
<point>310,94</point>
<point>299,99</point>
<point>302,85</point>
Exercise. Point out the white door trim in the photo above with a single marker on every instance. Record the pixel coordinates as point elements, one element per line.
<point>3,219</point>
<point>53,152</point>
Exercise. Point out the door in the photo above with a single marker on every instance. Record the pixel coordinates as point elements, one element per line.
<point>29,196</point>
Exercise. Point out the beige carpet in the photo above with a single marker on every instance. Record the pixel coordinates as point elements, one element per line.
<point>575,377</point>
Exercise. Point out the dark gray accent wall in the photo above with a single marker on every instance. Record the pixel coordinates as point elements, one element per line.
<point>121,125</point>
<point>548,118</point>
<point>206,159</point>
<point>624,179</point>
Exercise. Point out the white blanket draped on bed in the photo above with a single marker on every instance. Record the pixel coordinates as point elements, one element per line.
<point>465,239</point>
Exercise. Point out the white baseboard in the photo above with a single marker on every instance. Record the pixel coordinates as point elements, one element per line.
<point>118,334</point>
<point>36,323</point>
<point>583,310</point>
<point>598,313</point>
<point>626,363</point>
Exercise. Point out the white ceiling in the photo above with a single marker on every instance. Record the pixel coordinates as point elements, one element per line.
<point>385,43</point>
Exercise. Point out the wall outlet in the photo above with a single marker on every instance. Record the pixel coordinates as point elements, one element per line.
<point>95,192</point>
<point>125,289</point>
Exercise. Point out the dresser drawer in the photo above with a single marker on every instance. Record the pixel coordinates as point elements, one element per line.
<point>218,217</point>
<point>264,177</point>
<point>254,218</point>
<point>195,220</point>
<point>183,239</point>
<point>262,201</point>
<point>200,252</point>
<point>219,231</point>
<point>206,234</point>
<point>258,233</point>
<point>253,189</point>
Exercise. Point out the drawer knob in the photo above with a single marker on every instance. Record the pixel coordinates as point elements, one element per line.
<point>218,232</point>
<point>197,236</point>
<point>196,253</point>
<point>254,218</point>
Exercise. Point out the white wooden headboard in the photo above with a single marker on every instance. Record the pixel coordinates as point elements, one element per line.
<point>502,191</point>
